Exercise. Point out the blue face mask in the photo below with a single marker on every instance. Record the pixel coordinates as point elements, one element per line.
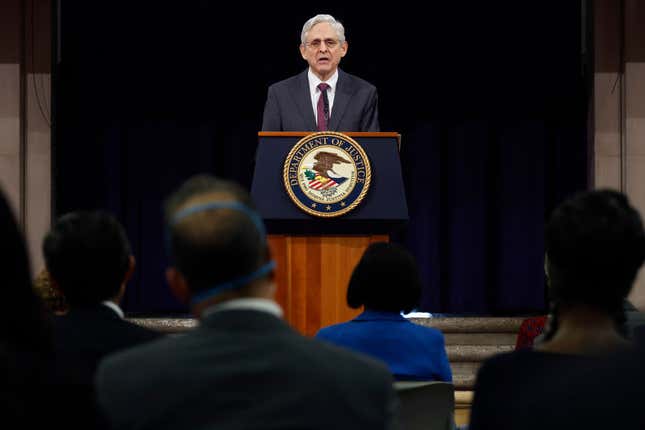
<point>239,281</point>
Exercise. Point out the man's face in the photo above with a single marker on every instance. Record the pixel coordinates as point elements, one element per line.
<point>322,50</point>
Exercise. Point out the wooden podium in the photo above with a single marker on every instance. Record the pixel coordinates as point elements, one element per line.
<point>315,256</point>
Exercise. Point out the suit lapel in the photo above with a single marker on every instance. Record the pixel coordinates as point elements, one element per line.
<point>302,98</point>
<point>343,94</point>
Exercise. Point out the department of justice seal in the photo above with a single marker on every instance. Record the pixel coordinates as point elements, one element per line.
<point>327,174</point>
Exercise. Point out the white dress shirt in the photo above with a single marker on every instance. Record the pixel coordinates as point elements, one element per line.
<point>315,92</point>
<point>256,304</point>
<point>114,307</point>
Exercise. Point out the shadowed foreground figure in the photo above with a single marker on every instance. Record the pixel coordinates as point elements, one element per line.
<point>581,374</point>
<point>26,348</point>
<point>243,367</point>
<point>35,391</point>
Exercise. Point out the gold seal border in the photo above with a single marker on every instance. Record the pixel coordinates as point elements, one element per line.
<point>356,202</point>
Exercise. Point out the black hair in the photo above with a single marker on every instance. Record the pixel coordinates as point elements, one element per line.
<point>24,323</point>
<point>385,279</point>
<point>213,246</point>
<point>88,255</point>
<point>595,245</point>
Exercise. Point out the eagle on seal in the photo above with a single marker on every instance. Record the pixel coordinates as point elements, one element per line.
<point>325,163</point>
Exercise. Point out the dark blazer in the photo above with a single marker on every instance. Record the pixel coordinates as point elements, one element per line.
<point>528,389</point>
<point>288,105</point>
<point>411,351</point>
<point>244,369</point>
<point>85,336</point>
<point>36,393</point>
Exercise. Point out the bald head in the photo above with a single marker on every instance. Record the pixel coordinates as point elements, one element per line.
<point>214,234</point>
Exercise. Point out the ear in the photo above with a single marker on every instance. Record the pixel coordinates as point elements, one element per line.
<point>303,50</point>
<point>343,49</point>
<point>272,288</point>
<point>177,284</point>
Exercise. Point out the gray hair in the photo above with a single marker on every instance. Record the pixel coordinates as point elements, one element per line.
<point>336,25</point>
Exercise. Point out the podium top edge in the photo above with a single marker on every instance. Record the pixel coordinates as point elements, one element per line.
<point>349,133</point>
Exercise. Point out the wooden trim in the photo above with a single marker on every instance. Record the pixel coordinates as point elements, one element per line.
<point>24,87</point>
<point>463,399</point>
<point>312,275</point>
<point>463,404</point>
<point>350,134</point>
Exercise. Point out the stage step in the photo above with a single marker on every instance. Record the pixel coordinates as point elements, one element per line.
<point>472,324</point>
<point>459,353</point>
<point>471,340</point>
<point>480,338</point>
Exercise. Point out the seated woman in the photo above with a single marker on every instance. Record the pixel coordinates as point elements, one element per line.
<point>386,282</point>
<point>595,245</point>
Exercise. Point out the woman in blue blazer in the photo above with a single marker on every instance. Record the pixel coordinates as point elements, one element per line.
<point>386,282</point>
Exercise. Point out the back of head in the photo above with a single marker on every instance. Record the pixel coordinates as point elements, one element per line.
<point>595,245</point>
<point>23,322</point>
<point>214,234</point>
<point>88,255</point>
<point>385,279</point>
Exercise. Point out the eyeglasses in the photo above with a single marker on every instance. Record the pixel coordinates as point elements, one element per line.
<point>329,43</point>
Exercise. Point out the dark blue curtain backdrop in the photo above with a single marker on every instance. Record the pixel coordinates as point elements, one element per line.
<point>490,98</point>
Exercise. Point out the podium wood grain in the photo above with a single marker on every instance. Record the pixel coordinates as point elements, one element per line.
<point>312,275</point>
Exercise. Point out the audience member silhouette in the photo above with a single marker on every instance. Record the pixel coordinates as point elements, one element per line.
<point>25,344</point>
<point>386,282</point>
<point>88,259</point>
<point>34,392</point>
<point>595,246</point>
<point>243,367</point>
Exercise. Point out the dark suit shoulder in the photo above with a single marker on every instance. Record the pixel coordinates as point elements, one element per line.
<point>99,315</point>
<point>331,360</point>
<point>289,82</point>
<point>99,328</point>
<point>300,352</point>
<point>245,354</point>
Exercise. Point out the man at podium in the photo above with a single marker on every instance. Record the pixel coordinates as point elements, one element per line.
<point>323,97</point>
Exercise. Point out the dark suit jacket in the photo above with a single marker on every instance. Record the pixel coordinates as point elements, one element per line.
<point>534,390</point>
<point>288,105</point>
<point>516,390</point>
<point>36,393</point>
<point>244,369</point>
<point>83,337</point>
